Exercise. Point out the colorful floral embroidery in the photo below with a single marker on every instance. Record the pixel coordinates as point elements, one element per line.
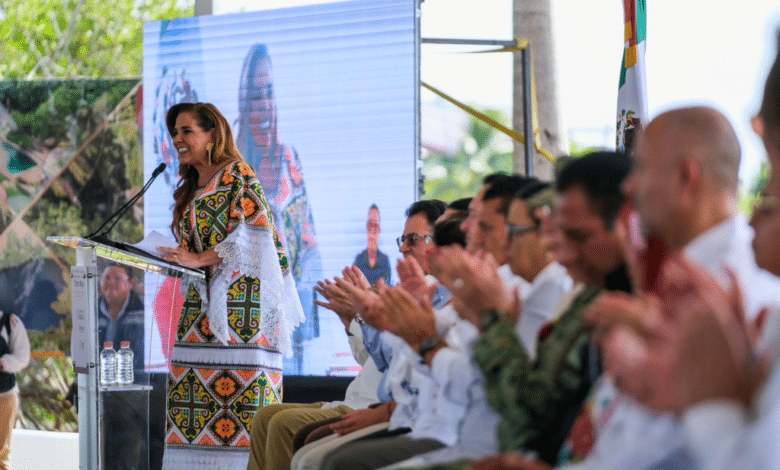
<point>213,404</point>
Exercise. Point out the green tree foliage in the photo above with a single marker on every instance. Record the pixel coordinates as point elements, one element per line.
<point>91,143</point>
<point>19,250</point>
<point>44,383</point>
<point>747,200</point>
<point>60,219</point>
<point>68,111</point>
<point>577,150</point>
<point>483,150</point>
<point>78,38</point>
<point>56,118</point>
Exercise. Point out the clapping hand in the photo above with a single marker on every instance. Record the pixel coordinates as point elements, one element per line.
<point>365,301</point>
<point>635,337</point>
<point>355,276</point>
<point>688,345</point>
<point>413,321</point>
<point>348,296</point>
<point>413,280</point>
<point>474,281</point>
<point>337,300</point>
<point>715,351</point>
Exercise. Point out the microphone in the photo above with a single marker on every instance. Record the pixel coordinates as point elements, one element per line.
<point>157,171</point>
<point>102,237</point>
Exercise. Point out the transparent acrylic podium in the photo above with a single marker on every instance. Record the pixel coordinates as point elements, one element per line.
<point>92,398</point>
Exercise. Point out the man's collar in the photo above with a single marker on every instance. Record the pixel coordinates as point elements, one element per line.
<point>710,243</point>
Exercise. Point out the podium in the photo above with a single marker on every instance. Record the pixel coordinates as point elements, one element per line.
<point>84,339</point>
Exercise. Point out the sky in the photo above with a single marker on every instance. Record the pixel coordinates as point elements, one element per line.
<point>717,56</point>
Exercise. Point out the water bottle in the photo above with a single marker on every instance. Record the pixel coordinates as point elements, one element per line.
<point>108,365</point>
<point>124,364</point>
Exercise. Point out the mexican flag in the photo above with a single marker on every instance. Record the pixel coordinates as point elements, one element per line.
<point>632,92</point>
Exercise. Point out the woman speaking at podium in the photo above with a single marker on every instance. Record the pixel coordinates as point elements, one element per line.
<point>227,359</point>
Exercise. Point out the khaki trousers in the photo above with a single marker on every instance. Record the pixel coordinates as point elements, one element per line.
<point>274,427</point>
<point>9,404</point>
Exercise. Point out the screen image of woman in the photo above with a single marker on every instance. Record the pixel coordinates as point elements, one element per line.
<point>236,325</point>
<point>280,172</point>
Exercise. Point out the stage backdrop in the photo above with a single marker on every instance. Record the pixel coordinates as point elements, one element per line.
<point>323,103</point>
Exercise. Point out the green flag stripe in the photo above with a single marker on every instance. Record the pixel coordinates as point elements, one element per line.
<point>641,20</point>
<point>622,72</point>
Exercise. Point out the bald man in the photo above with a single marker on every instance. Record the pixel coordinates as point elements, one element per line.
<point>684,187</point>
<point>686,165</point>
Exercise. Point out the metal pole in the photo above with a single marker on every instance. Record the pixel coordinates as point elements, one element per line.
<point>525,55</point>
<point>470,42</point>
<point>89,419</point>
<point>528,126</point>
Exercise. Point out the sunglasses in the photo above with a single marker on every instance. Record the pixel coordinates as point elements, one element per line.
<point>412,238</point>
<point>514,230</point>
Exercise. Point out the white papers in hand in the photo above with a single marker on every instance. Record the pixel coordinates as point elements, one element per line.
<point>154,239</point>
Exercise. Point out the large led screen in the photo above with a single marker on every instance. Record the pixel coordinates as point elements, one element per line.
<point>323,104</point>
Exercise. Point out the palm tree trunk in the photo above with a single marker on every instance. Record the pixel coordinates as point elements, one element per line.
<point>204,7</point>
<point>533,21</point>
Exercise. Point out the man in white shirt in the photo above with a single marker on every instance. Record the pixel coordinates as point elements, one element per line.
<point>485,225</point>
<point>530,257</point>
<point>684,186</point>
<point>726,387</point>
<point>451,366</point>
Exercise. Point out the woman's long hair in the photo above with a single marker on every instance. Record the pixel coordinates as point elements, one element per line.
<point>257,53</point>
<point>208,117</point>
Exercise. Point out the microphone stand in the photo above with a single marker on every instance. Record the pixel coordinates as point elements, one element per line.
<point>102,237</point>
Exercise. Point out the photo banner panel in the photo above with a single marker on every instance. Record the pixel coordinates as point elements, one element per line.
<point>322,101</point>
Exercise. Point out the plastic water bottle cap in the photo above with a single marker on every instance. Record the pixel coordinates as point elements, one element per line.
<point>108,344</point>
<point>125,344</point>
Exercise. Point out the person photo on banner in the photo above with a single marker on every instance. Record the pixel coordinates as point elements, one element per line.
<point>373,263</point>
<point>279,170</point>
<point>234,326</point>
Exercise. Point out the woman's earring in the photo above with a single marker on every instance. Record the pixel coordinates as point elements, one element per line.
<point>209,147</point>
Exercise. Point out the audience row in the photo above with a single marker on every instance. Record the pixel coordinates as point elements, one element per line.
<point>624,316</point>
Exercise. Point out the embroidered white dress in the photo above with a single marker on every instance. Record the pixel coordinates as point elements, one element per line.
<point>227,359</point>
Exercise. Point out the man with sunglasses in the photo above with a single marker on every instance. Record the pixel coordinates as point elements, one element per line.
<point>490,224</point>
<point>529,256</point>
<point>537,396</point>
<point>417,239</point>
<point>274,428</point>
<point>684,186</point>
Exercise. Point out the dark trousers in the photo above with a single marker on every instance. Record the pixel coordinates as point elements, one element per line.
<point>370,454</point>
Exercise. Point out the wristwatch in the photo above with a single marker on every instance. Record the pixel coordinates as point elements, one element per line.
<point>427,345</point>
